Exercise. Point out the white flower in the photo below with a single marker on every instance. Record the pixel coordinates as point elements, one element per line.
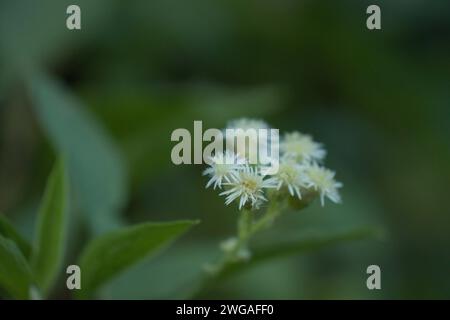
<point>248,185</point>
<point>292,176</point>
<point>322,180</point>
<point>222,168</point>
<point>246,126</point>
<point>301,147</point>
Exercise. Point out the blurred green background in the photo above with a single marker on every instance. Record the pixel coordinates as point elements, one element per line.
<point>110,95</point>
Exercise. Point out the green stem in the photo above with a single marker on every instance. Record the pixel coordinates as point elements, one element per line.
<point>244,224</point>
<point>247,227</point>
<point>269,217</point>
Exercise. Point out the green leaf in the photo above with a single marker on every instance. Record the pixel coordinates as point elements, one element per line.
<point>306,244</point>
<point>93,161</point>
<point>167,282</point>
<point>15,274</point>
<point>8,231</point>
<point>50,229</point>
<point>112,253</point>
<point>261,255</point>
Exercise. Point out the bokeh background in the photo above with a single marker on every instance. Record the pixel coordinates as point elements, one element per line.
<point>110,95</point>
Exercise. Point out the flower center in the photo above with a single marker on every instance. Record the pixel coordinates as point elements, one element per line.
<point>250,185</point>
<point>287,173</point>
<point>222,169</point>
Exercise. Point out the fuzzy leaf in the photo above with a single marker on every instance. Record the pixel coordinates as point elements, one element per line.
<point>110,254</point>
<point>50,229</point>
<point>8,231</point>
<point>15,274</point>
<point>261,255</point>
<point>93,160</point>
<point>301,246</point>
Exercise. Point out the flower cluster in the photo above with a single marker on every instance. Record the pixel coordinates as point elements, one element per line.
<point>300,172</point>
